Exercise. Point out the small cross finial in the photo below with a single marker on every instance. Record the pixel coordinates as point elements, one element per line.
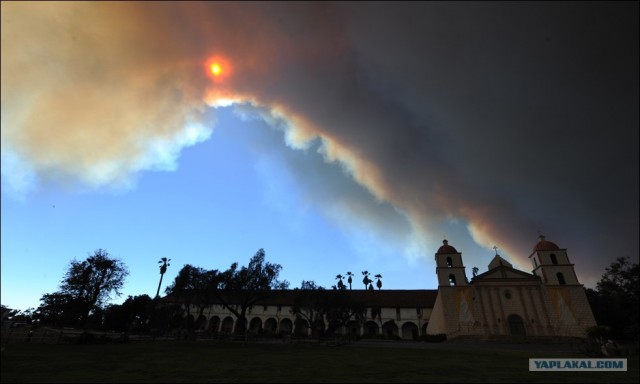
<point>495,248</point>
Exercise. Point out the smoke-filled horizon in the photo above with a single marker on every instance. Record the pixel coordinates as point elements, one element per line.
<point>394,125</point>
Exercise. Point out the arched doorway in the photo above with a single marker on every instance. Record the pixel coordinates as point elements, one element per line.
<point>286,326</point>
<point>270,326</point>
<point>255,325</point>
<point>390,329</point>
<point>516,326</point>
<point>214,324</point>
<point>227,325</point>
<point>370,328</point>
<point>409,331</point>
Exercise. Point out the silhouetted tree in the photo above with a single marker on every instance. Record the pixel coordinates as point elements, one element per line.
<point>366,281</point>
<point>163,269</point>
<point>615,301</point>
<point>17,316</point>
<point>57,309</point>
<point>326,310</point>
<point>340,283</point>
<point>194,288</point>
<point>86,287</point>
<point>310,285</point>
<point>131,315</point>
<point>379,281</point>
<point>236,289</point>
<point>350,279</point>
<point>247,286</point>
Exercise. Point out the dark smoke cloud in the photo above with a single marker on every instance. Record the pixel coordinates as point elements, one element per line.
<point>507,119</point>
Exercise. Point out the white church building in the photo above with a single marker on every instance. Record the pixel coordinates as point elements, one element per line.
<point>502,302</point>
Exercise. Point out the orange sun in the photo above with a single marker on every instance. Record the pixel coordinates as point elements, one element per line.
<point>218,68</point>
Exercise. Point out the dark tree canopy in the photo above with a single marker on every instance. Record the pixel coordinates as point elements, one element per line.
<point>236,289</point>
<point>132,315</point>
<point>58,309</point>
<point>260,275</point>
<point>195,287</point>
<point>247,286</point>
<point>326,310</point>
<point>615,300</point>
<point>620,279</point>
<point>310,284</point>
<point>85,288</point>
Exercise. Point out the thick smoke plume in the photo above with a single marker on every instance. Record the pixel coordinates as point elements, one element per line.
<point>491,122</point>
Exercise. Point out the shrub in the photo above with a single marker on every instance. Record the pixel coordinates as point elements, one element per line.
<point>89,338</point>
<point>440,337</point>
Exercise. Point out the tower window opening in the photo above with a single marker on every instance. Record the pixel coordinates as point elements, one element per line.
<point>560,278</point>
<point>554,259</point>
<point>452,280</point>
<point>449,262</point>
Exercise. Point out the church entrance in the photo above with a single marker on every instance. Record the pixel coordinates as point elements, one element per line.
<point>516,326</point>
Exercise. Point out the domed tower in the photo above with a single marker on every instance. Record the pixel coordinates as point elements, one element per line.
<point>551,264</point>
<point>449,266</point>
<point>567,304</point>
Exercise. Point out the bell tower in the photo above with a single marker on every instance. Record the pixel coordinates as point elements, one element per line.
<point>449,267</point>
<point>551,264</point>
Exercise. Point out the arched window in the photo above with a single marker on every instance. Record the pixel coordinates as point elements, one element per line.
<point>449,262</point>
<point>554,260</point>
<point>560,278</point>
<point>452,280</point>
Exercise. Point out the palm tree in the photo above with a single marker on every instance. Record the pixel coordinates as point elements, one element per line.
<point>340,283</point>
<point>350,280</point>
<point>366,279</point>
<point>163,268</point>
<point>379,283</point>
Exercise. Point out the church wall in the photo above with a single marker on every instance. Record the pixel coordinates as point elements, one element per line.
<point>388,316</point>
<point>570,309</point>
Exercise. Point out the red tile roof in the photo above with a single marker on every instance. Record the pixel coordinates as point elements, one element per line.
<point>395,298</point>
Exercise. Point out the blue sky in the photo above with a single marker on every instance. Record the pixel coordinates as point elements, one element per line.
<point>229,196</point>
<point>336,136</point>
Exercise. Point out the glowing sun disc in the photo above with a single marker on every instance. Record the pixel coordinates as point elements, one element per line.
<point>216,69</point>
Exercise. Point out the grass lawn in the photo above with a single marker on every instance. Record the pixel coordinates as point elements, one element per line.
<point>175,362</point>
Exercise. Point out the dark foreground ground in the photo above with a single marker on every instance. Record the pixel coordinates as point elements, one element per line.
<point>179,361</point>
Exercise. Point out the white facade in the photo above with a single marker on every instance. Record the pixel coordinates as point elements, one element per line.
<point>507,302</point>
